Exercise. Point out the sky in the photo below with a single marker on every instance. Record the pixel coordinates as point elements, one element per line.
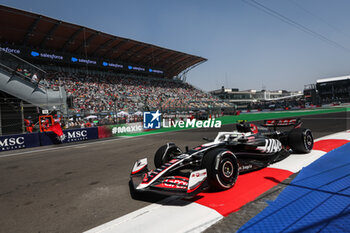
<point>246,47</point>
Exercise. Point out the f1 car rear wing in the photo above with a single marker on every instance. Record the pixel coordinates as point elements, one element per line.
<point>295,122</point>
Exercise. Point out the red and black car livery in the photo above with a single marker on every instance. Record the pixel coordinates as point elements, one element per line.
<point>218,163</point>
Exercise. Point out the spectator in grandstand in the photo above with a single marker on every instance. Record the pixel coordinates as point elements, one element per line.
<point>99,94</point>
<point>26,73</point>
<point>35,78</point>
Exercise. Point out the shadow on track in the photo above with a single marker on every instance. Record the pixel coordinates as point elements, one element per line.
<point>145,196</point>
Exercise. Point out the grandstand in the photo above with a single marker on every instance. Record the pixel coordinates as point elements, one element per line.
<point>253,99</point>
<point>74,71</point>
<point>113,93</point>
<point>335,89</point>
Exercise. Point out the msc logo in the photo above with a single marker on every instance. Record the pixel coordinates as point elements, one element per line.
<point>12,141</point>
<point>151,120</point>
<point>77,136</point>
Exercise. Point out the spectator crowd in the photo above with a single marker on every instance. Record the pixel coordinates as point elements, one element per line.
<point>98,94</point>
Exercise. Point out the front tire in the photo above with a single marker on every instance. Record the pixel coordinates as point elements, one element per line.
<point>222,168</point>
<point>165,153</point>
<point>301,140</point>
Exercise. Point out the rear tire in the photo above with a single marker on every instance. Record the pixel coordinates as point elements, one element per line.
<point>222,168</point>
<point>300,140</point>
<point>165,153</point>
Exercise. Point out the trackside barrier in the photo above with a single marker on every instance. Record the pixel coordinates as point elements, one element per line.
<point>119,130</point>
<point>71,135</point>
<point>19,141</point>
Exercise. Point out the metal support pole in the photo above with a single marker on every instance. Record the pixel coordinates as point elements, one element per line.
<point>22,116</point>
<point>0,122</point>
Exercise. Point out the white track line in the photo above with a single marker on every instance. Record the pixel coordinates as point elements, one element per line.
<point>296,162</point>
<point>341,135</point>
<point>189,217</point>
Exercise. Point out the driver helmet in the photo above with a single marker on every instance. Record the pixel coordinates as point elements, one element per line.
<point>247,128</point>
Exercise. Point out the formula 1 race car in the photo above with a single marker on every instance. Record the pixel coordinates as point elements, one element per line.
<point>218,163</point>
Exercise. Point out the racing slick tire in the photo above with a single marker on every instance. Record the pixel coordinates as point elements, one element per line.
<point>165,153</point>
<point>222,168</point>
<point>301,140</point>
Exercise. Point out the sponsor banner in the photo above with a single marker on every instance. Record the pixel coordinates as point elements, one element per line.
<point>192,123</point>
<point>10,50</point>
<point>71,135</point>
<point>83,60</point>
<point>56,56</point>
<point>19,141</point>
<point>120,130</point>
<point>153,120</point>
<point>104,132</point>
<point>50,56</point>
<point>176,116</point>
<point>125,129</point>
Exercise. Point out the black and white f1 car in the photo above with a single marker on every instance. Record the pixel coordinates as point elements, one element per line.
<point>218,163</point>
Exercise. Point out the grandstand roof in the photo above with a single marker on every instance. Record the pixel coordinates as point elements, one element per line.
<point>24,28</point>
<point>334,79</point>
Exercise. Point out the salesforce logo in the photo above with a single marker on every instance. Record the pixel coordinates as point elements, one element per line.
<point>34,54</point>
<point>74,59</point>
<point>46,55</point>
<point>155,71</point>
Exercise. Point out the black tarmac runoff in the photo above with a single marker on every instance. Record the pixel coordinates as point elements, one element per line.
<point>75,187</point>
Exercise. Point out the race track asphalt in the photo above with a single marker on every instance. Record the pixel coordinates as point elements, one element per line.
<point>75,187</point>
